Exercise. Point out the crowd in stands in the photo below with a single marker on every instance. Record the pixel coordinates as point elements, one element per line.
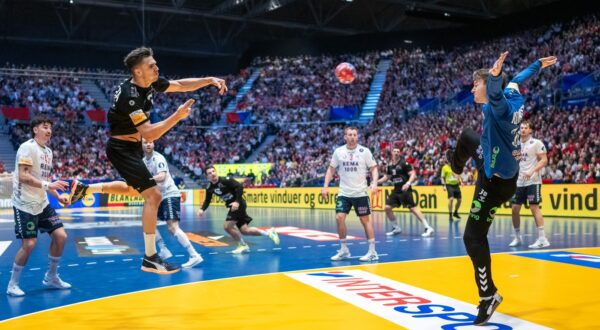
<point>293,96</point>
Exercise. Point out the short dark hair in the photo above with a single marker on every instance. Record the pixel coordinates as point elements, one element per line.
<point>136,56</point>
<point>347,128</point>
<point>209,167</point>
<point>38,120</point>
<point>528,123</point>
<point>483,74</point>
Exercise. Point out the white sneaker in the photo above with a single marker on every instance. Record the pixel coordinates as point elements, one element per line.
<point>370,256</point>
<point>241,248</point>
<point>428,232</point>
<point>341,255</point>
<point>273,235</point>
<point>515,242</point>
<point>13,290</point>
<point>540,243</point>
<point>165,254</point>
<point>193,261</point>
<point>54,282</point>
<point>397,230</point>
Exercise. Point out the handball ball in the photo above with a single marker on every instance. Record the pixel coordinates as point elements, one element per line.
<point>345,72</point>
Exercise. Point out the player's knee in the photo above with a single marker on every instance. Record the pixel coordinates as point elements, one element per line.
<point>154,196</point>
<point>172,226</point>
<point>472,242</point>
<point>29,244</point>
<point>59,236</point>
<point>340,217</point>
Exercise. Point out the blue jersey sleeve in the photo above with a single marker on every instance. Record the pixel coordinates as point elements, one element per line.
<point>496,98</point>
<point>527,73</point>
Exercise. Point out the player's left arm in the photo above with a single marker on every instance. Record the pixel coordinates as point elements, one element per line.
<point>374,178</point>
<point>192,84</point>
<point>411,179</point>
<point>160,177</point>
<point>542,158</point>
<point>532,69</point>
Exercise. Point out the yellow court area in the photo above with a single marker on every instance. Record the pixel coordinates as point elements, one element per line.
<point>549,294</point>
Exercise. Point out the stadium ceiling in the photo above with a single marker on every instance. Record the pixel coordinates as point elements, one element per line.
<point>228,27</point>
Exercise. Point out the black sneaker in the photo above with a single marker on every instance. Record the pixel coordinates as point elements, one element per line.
<point>450,158</point>
<point>456,215</point>
<point>154,264</point>
<point>487,308</point>
<point>78,191</point>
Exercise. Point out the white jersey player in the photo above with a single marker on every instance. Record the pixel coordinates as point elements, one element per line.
<point>529,185</point>
<point>32,211</point>
<point>353,162</point>
<point>170,206</point>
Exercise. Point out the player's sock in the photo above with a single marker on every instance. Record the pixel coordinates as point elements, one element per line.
<point>343,245</point>
<point>52,265</point>
<point>16,274</point>
<point>541,233</point>
<point>95,188</point>
<point>150,244</point>
<point>185,241</point>
<point>518,233</point>
<point>159,240</point>
<point>372,245</point>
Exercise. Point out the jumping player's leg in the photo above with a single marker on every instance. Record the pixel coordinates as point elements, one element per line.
<point>466,147</point>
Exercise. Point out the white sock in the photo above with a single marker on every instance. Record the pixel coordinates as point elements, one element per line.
<point>159,240</point>
<point>518,233</point>
<point>185,241</point>
<point>372,245</point>
<point>150,244</point>
<point>343,244</point>
<point>16,274</point>
<point>425,223</point>
<point>95,188</point>
<point>242,241</point>
<point>394,223</point>
<point>262,232</point>
<point>541,233</point>
<point>52,265</point>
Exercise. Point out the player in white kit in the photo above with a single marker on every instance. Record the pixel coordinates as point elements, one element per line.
<point>32,210</point>
<point>529,184</point>
<point>170,206</point>
<point>353,162</point>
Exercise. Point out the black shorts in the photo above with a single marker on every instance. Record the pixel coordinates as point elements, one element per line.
<point>404,198</point>
<point>453,191</point>
<point>169,209</point>
<point>530,194</point>
<point>362,205</point>
<point>240,216</point>
<point>127,158</point>
<point>27,225</point>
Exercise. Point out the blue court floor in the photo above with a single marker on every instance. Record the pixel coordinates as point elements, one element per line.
<point>102,256</point>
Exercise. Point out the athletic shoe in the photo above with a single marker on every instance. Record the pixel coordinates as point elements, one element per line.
<point>455,214</point>
<point>78,191</point>
<point>273,236</point>
<point>241,248</point>
<point>13,290</point>
<point>540,243</point>
<point>341,255</point>
<point>165,254</point>
<point>515,242</point>
<point>370,256</point>
<point>54,282</point>
<point>193,261</point>
<point>428,232</point>
<point>397,230</point>
<point>487,308</point>
<point>154,264</point>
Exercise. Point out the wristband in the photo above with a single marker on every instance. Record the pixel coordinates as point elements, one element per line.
<point>45,185</point>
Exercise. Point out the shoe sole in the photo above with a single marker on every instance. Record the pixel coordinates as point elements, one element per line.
<point>373,259</point>
<point>14,295</point>
<point>159,272</point>
<point>492,313</point>
<point>193,264</point>
<point>539,246</point>
<point>340,259</point>
<point>73,185</point>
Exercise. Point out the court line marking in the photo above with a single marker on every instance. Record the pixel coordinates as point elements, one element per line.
<point>274,273</point>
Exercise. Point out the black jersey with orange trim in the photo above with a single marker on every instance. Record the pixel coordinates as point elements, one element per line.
<point>131,106</point>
